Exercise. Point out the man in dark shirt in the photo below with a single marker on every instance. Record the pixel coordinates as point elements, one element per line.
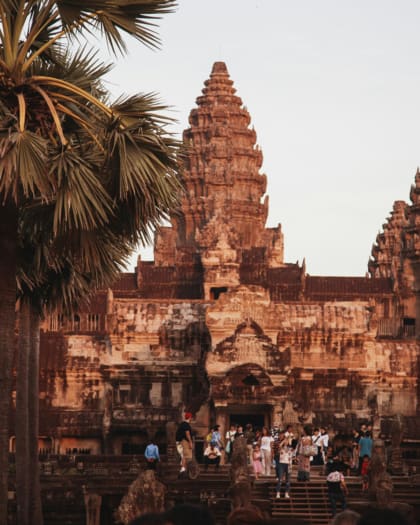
<point>184,442</point>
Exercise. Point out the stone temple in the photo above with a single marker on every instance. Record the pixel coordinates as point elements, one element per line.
<point>221,325</point>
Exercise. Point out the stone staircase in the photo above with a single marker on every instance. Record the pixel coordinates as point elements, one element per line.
<point>308,501</point>
<point>63,498</point>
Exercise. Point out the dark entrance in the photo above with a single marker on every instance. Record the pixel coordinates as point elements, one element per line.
<point>256,420</point>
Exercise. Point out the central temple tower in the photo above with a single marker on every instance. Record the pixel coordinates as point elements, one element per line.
<point>224,210</point>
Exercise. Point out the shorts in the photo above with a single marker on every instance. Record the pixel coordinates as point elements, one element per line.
<point>183,449</point>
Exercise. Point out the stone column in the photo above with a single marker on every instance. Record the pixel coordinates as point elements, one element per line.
<point>93,507</point>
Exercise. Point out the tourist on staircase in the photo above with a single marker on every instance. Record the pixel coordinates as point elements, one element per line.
<point>303,455</point>
<point>336,486</point>
<point>152,455</point>
<point>184,443</point>
<point>364,472</point>
<point>257,461</point>
<point>283,454</point>
<point>324,442</point>
<point>216,437</point>
<point>317,458</point>
<point>365,448</point>
<point>229,439</point>
<point>212,456</point>
<point>265,447</point>
<point>355,450</point>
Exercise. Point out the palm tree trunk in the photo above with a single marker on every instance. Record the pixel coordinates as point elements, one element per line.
<point>8,236</point>
<point>35,506</point>
<point>28,490</point>
<point>22,420</point>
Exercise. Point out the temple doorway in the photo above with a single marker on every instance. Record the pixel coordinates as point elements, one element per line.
<point>256,420</point>
<point>258,415</point>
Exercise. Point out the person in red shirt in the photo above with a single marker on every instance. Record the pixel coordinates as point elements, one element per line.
<point>364,471</point>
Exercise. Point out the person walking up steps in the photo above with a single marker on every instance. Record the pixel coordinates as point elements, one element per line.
<point>336,487</point>
<point>184,443</point>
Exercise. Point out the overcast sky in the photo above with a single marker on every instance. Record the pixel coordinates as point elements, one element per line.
<point>333,90</point>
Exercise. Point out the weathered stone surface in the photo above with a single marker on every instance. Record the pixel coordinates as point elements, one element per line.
<point>221,325</point>
<point>145,494</point>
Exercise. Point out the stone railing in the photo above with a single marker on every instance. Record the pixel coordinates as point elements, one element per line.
<point>395,328</point>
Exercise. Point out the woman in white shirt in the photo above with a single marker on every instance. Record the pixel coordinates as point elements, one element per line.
<point>265,449</point>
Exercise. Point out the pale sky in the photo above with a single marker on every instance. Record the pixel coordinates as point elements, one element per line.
<point>332,87</point>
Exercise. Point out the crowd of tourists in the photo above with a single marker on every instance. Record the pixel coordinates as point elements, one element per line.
<point>274,452</point>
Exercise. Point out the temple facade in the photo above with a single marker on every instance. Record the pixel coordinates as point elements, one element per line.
<point>221,325</point>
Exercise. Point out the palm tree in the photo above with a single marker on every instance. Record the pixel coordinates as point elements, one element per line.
<point>67,150</point>
<point>48,280</point>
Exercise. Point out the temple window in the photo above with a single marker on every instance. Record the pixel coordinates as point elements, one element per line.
<point>76,323</point>
<point>93,322</point>
<point>215,293</point>
<point>123,394</point>
<point>409,326</point>
<point>56,322</point>
<point>386,308</point>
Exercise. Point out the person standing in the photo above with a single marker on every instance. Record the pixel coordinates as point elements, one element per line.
<point>364,471</point>
<point>257,461</point>
<point>324,441</point>
<point>303,456</point>
<point>152,455</point>
<point>365,448</point>
<point>355,449</point>
<point>216,437</point>
<point>229,439</point>
<point>283,453</point>
<point>266,453</point>
<point>318,458</point>
<point>184,443</point>
<point>239,432</point>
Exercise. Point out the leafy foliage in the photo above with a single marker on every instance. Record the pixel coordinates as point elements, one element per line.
<point>91,178</point>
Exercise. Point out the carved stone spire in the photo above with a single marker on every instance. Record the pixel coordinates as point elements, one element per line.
<point>412,232</point>
<point>224,197</point>
<point>411,256</point>
<point>222,169</point>
<point>386,253</point>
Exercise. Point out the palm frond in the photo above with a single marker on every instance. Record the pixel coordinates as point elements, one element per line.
<point>81,201</point>
<point>23,157</point>
<point>116,17</point>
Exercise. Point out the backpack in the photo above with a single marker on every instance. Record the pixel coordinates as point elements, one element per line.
<point>209,437</point>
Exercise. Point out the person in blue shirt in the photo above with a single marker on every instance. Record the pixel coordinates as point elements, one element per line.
<point>152,455</point>
<point>365,448</point>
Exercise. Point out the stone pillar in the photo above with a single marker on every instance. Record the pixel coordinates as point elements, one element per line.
<point>93,507</point>
<point>396,459</point>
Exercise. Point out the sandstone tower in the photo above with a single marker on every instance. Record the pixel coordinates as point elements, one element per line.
<point>220,324</point>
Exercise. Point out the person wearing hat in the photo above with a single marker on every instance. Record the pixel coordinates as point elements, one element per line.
<point>184,444</point>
